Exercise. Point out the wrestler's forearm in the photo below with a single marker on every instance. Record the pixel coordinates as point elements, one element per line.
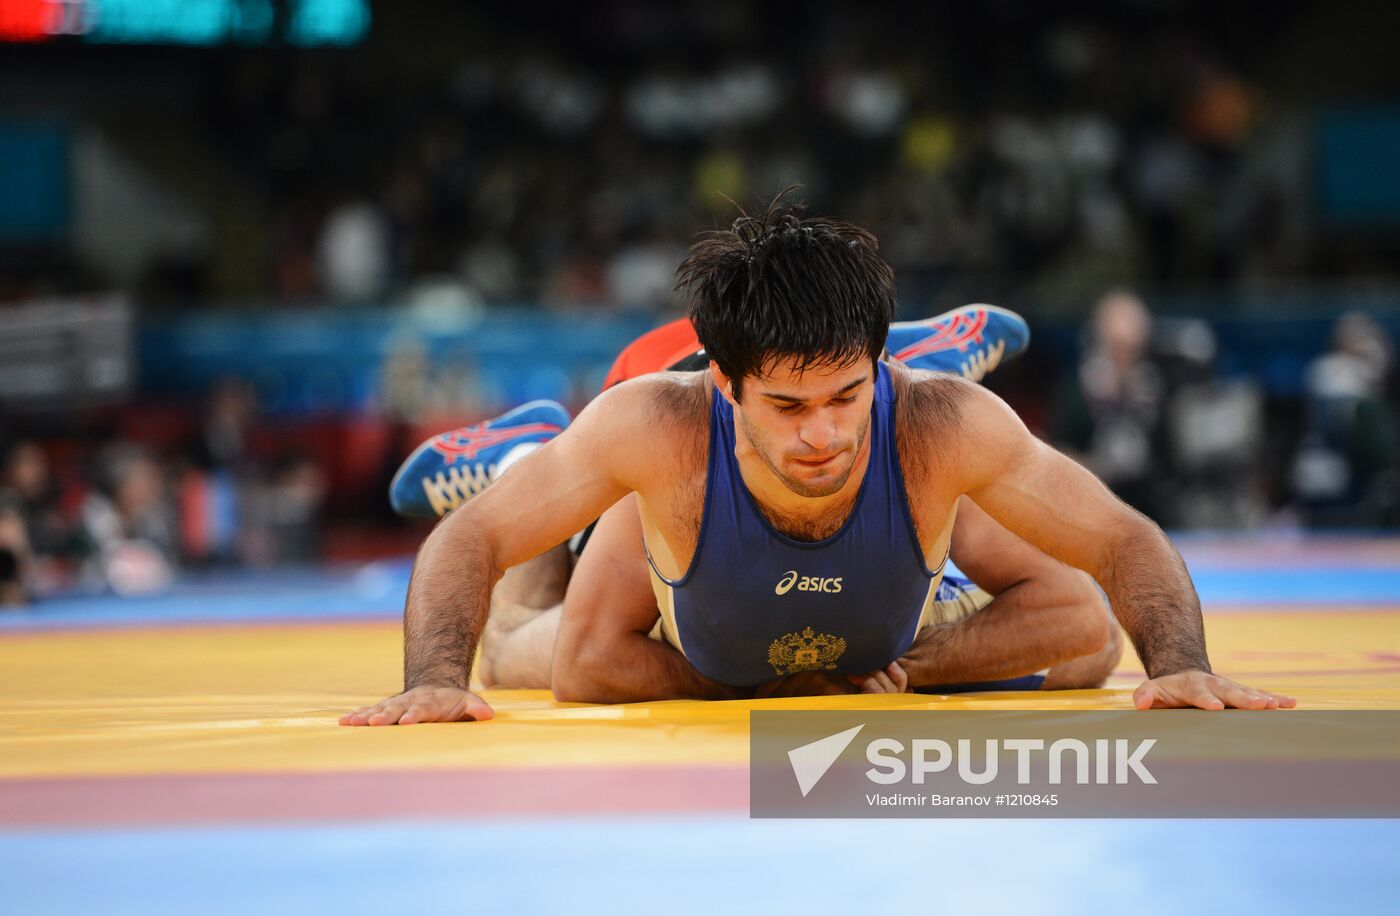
<point>1153,597</point>
<point>449,597</point>
<point>633,668</point>
<point>1027,628</point>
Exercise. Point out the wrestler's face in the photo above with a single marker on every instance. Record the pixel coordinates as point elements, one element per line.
<point>809,427</point>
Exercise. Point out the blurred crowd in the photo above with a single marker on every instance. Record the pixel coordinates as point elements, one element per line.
<point>1148,412</point>
<point>123,515</point>
<point>998,150</point>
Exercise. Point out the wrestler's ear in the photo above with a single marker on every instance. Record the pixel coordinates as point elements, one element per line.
<point>723,383</point>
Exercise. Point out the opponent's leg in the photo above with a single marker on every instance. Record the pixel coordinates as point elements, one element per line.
<point>518,643</point>
<point>452,467</point>
<point>604,592</point>
<point>970,341</point>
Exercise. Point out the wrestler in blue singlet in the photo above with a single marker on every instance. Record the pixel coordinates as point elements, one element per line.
<point>756,604</point>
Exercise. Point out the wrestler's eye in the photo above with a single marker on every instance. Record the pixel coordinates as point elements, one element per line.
<point>794,408</point>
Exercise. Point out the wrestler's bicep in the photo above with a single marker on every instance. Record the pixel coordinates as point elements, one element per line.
<point>556,490</point>
<point>610,591</point>
<point>1034,491</point>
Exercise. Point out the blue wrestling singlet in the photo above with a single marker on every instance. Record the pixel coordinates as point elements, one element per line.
<point>756,604</point>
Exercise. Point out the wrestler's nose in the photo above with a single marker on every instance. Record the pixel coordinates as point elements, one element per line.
<point>818,432</point>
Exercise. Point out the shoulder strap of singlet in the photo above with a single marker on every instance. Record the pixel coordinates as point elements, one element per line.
<point>717,445</point>
<point>884,392</point>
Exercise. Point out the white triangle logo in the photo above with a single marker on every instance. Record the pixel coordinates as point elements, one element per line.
<point>811,761</point>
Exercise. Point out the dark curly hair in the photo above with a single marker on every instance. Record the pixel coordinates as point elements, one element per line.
<point>777,287</point>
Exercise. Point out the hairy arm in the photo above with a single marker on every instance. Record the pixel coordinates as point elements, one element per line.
<point>1058,506</point>
<point>1064,510</point>
<point>604,653</point>
<point>544,500</point>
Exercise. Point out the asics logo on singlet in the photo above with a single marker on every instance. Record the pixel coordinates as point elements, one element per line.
<point>806,583</point>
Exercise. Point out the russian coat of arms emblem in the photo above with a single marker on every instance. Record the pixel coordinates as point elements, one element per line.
<point>805,651</point>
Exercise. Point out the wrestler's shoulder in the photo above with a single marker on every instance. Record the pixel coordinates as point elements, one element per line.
<point>649,429</point>
<point>669,401</point>
<point>670,394</point>
<point>932,402</point>
<point>946,423</point>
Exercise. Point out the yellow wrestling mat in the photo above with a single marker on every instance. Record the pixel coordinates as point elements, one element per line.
<point>260,698</point>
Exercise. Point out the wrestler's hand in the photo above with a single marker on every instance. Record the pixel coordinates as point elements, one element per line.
<point>422,704</point>
<point>805,684</point>
<point>890,679</point>
<point>1205,691</point>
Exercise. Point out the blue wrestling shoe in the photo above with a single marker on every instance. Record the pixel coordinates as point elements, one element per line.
<point>971,340</point>
<point>451,468</point>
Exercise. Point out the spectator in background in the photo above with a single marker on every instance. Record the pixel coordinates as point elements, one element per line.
<point>352,254</point>
<point>34,535</point>
<point>293,500</point>
<point>1213,433</point>
<point>15,556</point>
<point>1347,470</point>
<point>404,380</point>
<point>1110,415</point>
<point>228,422</point>
<point>642,275</point>
<point>34,497</point>
<point>128,523</point>
<point>213,488</point>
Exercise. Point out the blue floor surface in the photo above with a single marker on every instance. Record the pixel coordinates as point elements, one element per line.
<point>713,865</point>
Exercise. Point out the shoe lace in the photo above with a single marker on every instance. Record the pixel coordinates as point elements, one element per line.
<point>449,489</point>
<point>983,360</point>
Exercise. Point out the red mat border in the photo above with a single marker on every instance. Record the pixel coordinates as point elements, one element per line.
<point>370,794</point>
